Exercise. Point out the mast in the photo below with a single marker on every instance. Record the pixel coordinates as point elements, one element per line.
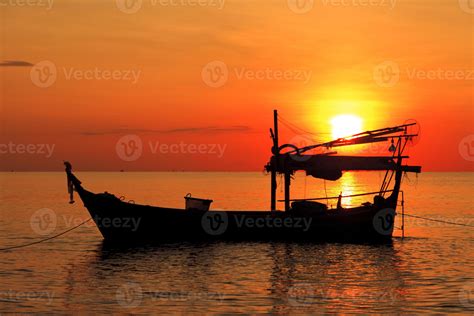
<point>398,173</point>
<point>274,161</point>
<point>287,189</point>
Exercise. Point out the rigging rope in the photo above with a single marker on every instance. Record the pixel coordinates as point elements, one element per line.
<point>289,124</point>
<point>298,130</point>
<point>305,178</point>
<point>410,181</point>
<point>46,239</point>
<point>438,220</point>
<point>326,192</point>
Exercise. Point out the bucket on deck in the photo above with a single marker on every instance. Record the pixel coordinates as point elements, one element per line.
<point>196,203</point>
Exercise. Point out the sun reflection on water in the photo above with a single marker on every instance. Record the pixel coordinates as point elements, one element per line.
<point>347,184</point>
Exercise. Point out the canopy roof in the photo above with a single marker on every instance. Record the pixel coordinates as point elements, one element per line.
<point>331,167</point>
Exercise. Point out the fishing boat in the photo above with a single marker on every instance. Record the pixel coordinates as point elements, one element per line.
<point>299,219</point>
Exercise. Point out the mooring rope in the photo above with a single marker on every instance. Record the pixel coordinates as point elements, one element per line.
<point>438,220</point>
<point>46,239</point>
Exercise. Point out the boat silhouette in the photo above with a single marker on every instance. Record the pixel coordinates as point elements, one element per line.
<point>301,219</point>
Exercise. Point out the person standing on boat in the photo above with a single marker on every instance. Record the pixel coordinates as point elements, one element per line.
<point>339,202</point>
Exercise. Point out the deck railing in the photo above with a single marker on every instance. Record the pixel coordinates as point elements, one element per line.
<point>337,197</point>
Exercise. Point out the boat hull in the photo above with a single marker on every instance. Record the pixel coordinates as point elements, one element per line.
<point>120,221</point>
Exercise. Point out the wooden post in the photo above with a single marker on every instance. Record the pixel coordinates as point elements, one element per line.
<point>275,127</point>
<point>273,188</point>
<point>403,215</point>
<point>287,190</point>
<point>274,162</point>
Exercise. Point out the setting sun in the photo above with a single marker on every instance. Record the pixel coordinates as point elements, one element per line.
<point>345,125</point>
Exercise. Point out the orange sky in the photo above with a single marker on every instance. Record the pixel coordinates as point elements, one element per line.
<point>311,63</point>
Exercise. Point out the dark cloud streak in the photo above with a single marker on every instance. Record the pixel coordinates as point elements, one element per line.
<point>15,63</point>
<point>209,129</point>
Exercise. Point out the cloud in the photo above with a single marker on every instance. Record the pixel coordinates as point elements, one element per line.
<point>211,129</point>
<point>208,129</point>
<point>15,63</point>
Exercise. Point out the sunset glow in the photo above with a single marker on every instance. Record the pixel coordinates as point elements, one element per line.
<point>346,125</point>
<point>202,75</point>
<point>237,156</point>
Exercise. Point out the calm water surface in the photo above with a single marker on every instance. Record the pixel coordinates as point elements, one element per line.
<point>431,270</point>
